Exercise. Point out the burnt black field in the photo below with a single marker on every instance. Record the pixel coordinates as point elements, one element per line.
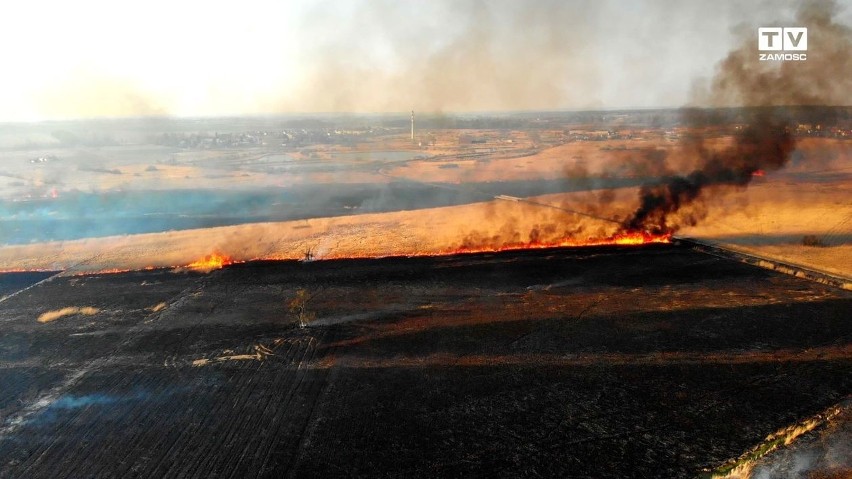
<point>13,282</point>
<point>657,361</point>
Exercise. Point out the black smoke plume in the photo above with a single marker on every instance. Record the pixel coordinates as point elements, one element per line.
<point>768,92</point>
<point>764,146</point>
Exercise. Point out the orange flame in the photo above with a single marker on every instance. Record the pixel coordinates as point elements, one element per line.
<point>211,262</point>
<point>757,173</point>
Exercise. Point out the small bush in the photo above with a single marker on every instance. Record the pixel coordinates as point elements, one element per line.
<point>298,305</point>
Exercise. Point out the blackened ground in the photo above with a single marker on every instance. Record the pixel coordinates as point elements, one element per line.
<point>601,362</point>
<point>12,282</point>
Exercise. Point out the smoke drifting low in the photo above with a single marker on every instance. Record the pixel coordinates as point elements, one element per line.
<point>766,142</point>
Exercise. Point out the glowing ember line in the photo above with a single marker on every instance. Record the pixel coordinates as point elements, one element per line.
<point>633,238</point>
<point>216,261</point>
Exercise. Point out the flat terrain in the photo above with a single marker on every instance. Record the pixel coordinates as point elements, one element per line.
<point>655,361</point>
<point>140,205</point>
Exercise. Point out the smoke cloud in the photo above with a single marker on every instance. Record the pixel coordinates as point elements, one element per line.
<point>766,143</point>
<point>360,55</point>
<point>763,146</point>
<point>459,56</point>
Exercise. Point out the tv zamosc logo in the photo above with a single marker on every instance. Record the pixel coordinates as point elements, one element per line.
<point>783,41</point>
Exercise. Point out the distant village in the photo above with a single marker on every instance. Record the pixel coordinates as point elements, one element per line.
<point>295,137</point>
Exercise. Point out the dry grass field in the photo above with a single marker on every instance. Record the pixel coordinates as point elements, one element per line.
<point>771,217</point>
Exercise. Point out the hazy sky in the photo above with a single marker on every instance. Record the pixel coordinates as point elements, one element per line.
<point>188,58</point>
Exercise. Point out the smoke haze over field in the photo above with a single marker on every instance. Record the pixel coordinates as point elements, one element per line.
<point>434,57</point>
<point>262,56</point>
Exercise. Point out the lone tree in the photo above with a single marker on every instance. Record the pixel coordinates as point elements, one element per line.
<point>812,240</point>
<point>298,305</point>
